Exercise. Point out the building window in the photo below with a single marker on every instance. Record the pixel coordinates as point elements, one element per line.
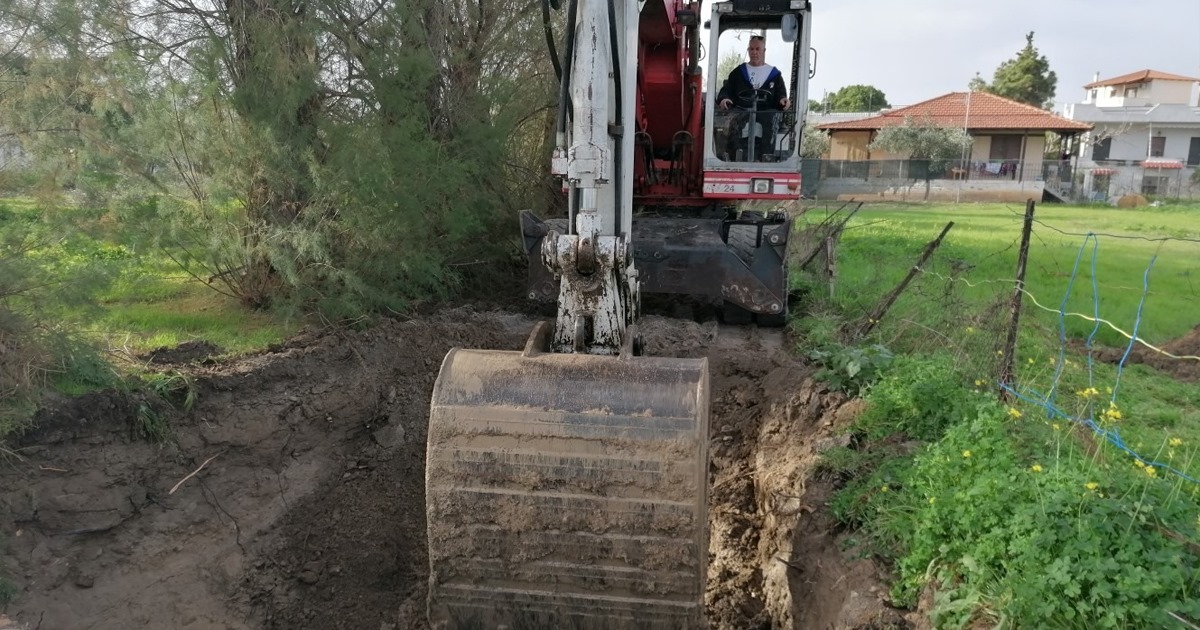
<point>1093,96</point>
<point>1158,144</point>
<point>1131,92</point>
<point>1005,148</point>
<point>1155,184</point>
<point>1101,149</point>
<point>1194,153</point>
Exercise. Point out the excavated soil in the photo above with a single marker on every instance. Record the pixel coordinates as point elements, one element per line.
<point>1184,369</point>
<point>292,494</point>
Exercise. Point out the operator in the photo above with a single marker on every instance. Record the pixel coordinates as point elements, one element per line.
<point>756,74</point>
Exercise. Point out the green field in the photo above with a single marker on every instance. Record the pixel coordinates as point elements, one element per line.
<point>1076,505</point>
<point>962,303</point>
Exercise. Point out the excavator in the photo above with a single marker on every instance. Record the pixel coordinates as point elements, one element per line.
<point>567,483</point>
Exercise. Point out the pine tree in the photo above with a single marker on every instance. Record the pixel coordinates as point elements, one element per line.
<point>1026,78</point>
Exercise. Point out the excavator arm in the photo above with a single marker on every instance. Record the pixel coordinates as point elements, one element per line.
<point>566,485</point>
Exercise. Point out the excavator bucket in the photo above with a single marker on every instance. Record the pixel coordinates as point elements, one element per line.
<point>567,491</point>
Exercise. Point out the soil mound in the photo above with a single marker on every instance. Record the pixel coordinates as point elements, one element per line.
<point>185,352</point>
<point>1186,368</point>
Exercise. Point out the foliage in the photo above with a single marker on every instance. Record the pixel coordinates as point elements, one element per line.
<point>850,369</point>
<point>998,505</point>
<point>33,286</point>
<point>814,143</point>
<point>857,98</point>
<point>1026,78</point>
<point>917,398</point>
<point>922,140</point>
<point>729,62</point>
<point>153,425</point>
<point>7,591</point>
<point>1001,527</point>
<point>287,152</point>
<point>173,387</point>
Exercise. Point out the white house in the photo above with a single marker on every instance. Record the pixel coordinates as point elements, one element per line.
<point>1145,137</point>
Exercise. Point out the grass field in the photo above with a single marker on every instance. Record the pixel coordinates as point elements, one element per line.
<point>962,304</point>
<point>1074,506</point>
<point>122,295</point>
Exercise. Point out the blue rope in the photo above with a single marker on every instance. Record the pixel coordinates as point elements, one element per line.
<point>1095,311</point>
<point>1136,323</point>
<point>1111,436</point>
<point>1062,323</point>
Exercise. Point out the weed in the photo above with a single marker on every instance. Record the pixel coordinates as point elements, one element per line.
<point>153,425</point>
<point>7,592</point>
<point>850,369</point>
<point>173,387</point>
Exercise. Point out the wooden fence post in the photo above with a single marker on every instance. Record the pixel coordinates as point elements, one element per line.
<point>1010,343</point>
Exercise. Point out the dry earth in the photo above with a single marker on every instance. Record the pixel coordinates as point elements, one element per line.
<point>292,495</point>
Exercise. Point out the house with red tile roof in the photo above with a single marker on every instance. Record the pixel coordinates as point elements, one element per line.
<point>1145,137</point>
<point>1005,161</point>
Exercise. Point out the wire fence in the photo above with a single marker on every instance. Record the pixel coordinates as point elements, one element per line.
<point>1107,181</point>
<point>962,304</point>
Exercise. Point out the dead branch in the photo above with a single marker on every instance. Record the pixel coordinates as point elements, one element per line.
<point>193,473</point>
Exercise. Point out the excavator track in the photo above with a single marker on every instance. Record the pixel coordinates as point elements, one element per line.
<point>567,491</point>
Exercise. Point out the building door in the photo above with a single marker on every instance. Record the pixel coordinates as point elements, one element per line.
<point>1101,149</point>
<point>1194,152</point>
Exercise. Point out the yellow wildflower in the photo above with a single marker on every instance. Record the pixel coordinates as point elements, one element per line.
<point>999,353</point>
<point>883,489</point>
<point>1175,442</point>
<point>978,382</point>
<point>1014,412</point>
<point>1151,471</point>
<point>1036,468</point>
<point>932,500</point>
<point>966,453</point>
<point>1091,485</point>
<point>1030,360</point>
<point>1056,426</point>
<point>1139,463</point>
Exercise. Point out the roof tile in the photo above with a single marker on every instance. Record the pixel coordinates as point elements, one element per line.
<point>1139,77</point>
<point>988,111</point>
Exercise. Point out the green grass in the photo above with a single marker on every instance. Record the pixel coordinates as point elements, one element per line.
<point>1006,503</point>
<point>962,304</point>
<point>123,296</point>
<point>182,310</point>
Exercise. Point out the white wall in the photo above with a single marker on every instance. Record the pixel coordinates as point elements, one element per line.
<point>1133,142</point>
<point>1158,91</point>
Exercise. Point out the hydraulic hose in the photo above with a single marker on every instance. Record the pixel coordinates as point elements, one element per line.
<point>564,83</point>
<point>619,110</point>
<point>546,5</point>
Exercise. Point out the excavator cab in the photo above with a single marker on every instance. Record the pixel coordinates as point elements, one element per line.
<point>752,140</point>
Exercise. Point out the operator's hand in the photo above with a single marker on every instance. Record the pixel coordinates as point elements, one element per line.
<point>725,103</point>
<point>785,103</point>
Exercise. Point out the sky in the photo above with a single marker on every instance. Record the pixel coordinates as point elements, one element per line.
<point>922,49</point>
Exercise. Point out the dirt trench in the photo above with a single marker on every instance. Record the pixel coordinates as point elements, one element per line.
<point>292,495</point>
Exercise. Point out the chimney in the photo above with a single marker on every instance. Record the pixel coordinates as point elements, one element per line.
<point>1096,77</point>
